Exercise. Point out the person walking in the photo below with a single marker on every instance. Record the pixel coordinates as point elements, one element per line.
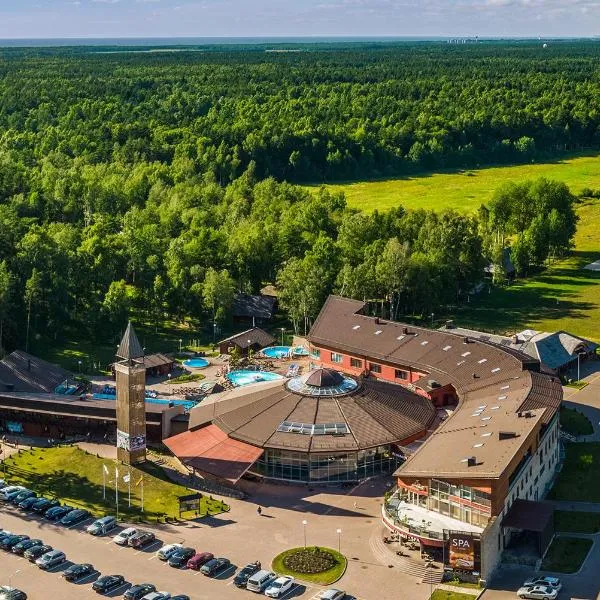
<point>259,511</point>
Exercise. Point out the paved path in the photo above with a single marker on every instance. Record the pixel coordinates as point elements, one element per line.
<point>575,506</point>
<point>459,590</point>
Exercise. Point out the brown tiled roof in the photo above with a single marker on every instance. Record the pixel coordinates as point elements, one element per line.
<point>23,372</point>
<point>157,360</point>
<point>250,337</point>
<point>259,306</point>
<point>130,347</point>
<point>489,379</point>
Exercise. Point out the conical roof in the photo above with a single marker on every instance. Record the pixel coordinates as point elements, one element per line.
<point>130,347</point>
<point>323,378</point>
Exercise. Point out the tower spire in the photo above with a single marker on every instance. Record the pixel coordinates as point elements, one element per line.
<point>130,347</point>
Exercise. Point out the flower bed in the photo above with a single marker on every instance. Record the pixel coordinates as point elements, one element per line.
<point>313,564</point>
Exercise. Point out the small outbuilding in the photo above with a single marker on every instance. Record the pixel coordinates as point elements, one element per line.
<point>253,309</point>
<point>254,339</point>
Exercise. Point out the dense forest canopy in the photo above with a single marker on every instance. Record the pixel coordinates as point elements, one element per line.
<point>157,181</point>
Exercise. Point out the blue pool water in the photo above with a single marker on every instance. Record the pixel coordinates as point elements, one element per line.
<point>245,377</point>
<point>281,351</point>
<point>185,403</point>
<point>196,363</point>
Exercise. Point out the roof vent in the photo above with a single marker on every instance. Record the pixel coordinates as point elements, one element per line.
<point>466,340</point>
<point>529,415</point>
<point>507,435</point>
<point>434,384</point>
<point>475,376</point>
<point>377,320</point>
<point>471,461</point>
<point>405,331</point>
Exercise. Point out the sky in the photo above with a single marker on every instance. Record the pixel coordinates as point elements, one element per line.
<point>265,18</point>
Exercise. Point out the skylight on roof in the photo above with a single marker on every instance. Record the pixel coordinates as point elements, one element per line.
<point>465,354</point>
<point>495,370</point>
<point>482,406</point>
<point>446,348</point>
<point>486,434</point>
<point>478,445</point>
<point>424,343</point>
<point>505,387</point>
<point>378,332</point>
<point>476,414</point>
<point>502,397</point>
<point>460,362</point>
<point>356,327</point>
<point>485,418</point>
<point>482,361</point>
<point>400,337</point>
<point>494,408</point>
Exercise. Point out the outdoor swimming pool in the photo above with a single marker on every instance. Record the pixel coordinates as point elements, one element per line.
<point>281,351</point>
<point>185,403</point>
<point>196,363</point>
<point>245,377</point>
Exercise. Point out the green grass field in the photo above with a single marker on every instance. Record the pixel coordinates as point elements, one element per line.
<point>574,422</point>
<point>323,578</point>
<point>75,478</point>
<point>566,554</point>
<point>447,595</point>
<point>466,190</point>
<point>579,479</point>
<point>576,521</point>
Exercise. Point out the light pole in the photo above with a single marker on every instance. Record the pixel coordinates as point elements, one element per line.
<point>432,315</point>
<point>214,332</point>
<point>79,363</point>
<point>282,332</point>
<point>180,340</point>
<point>339,532</point>
<point>304,524</point>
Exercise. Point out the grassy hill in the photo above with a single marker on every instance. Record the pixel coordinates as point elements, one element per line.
<point>466,190</point>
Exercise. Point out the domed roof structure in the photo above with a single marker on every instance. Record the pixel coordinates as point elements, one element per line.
<point>323,378</point>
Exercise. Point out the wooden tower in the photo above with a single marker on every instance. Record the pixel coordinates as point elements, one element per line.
<point>131,392</point>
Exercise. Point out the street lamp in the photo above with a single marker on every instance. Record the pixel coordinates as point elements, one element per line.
<point>282,332</point>
<point>339,532</point>
<point>304,524</point>
<point>180,340</point>
<point>79,363</point>
<point>432,315</point>
<point>214,332</point>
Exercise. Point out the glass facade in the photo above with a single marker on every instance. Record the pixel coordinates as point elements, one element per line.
<point>325,467</point>
<point>459,502</point>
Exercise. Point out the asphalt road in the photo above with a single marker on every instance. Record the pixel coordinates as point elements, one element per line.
<point>137,566</point>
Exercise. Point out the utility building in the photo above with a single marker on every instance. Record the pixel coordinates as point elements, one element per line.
<point>130,373</point>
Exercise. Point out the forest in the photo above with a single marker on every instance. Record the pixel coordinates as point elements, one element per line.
<point>161,183</point>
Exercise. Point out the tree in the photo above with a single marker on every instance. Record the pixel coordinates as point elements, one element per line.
<point>6,290</point>
<point>218,291</point>
<point>116,305</point>
<point>391,272</point>
<point>33,292</point>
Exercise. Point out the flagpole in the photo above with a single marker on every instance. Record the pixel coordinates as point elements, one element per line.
<point>117,490</point>
<point>103,482</point>
<point>142,493</point>
<point>129,484</point>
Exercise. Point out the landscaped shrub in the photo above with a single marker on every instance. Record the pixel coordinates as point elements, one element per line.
<point>310,560</point>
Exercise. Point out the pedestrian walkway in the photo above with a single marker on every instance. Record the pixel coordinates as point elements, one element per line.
<point>460,590</point>
<point>575,506</point>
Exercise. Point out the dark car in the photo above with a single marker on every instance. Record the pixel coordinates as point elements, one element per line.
<point>215,566</point>
<point>41,505</point>
<point>6,543</point>
<point>25,545</point>
<point>241,579</point>
<point>28,503</point>
<point>11,593</point>
<point>198,560</point>
<point>75,572</point>
<point>34,553</point>
<point>180,558</point>
<point>22,495</point>
<point>135,592</point>
<point>180,597</point>
<point>57,512</point>
<point>141,538</point>
<point>106,583</point>
<point>75,516</point>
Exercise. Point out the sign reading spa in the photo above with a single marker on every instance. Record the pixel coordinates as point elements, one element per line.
<point>463,552</point>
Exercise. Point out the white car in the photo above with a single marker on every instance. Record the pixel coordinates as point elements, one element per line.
<point>279,587</point>
<point>537,592</point>
<point>157,596</point>
<point>123,536</point>
<point>167,551</point>
<point>332,594</point>
<point>548,581</point>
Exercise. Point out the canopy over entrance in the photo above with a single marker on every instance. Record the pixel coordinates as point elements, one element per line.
<point>211,451</point>
<point>536,518</point>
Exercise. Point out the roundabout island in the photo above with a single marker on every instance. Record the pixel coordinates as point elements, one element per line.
<point>313,564</point>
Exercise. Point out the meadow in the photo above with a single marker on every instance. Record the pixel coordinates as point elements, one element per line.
<point>466,190</point>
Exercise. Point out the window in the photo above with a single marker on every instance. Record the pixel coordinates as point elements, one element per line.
<point>315,353</point>
<point>336,358</point>
<point>400,374</point>
<point>374,368</point>
<point>356,363</point>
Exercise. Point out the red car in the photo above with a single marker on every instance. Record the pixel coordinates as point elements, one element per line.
<point>198,560</point>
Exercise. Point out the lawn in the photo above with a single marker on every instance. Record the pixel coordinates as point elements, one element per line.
<point>446,595</point>
<point>466,190</point>
<point>323,578</point>
<point>576,521</point>
<point>574,422</point>
<point>75,477</point>
<point>566,554</point>
<point>579,479</point>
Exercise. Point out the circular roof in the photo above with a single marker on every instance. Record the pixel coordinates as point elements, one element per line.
<point>323,378</point>
<point>322,382</point>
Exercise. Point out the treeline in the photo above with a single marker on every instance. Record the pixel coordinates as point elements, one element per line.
<point>322,113</point>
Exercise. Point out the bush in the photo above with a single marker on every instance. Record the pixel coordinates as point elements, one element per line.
<point>310,561</point>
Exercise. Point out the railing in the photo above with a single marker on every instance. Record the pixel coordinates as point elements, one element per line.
<point>391,512</point>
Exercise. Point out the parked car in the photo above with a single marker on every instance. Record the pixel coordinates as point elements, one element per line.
<point>41,505</point>
<point>51,559</point>
<point>549,581</point>
<point>167,551</point>
<point>260,581</point>
<point>28,503</point>
<point>196,561</point>
<point>34,553</point>
<point>141,539</point>
<point>180,597</point>
<point>106,583</point>
<point>215,566</point>
<point>279,587</point>
<point>75,516</point>
<point>102,526</point>
<point>3,484</point>
<point>22,495</point>
<point>124,535</point>
<point>157,596</point>
<point>137,592</point>
<point>57,512</point>
<point>7,542</point>
<point>25,545</point>
<point>11,593</point>
<point>332,594</point>
<point>75,572</point>
<point>180,557</point>
<point>537,592</point>
<point>7,491</point>
<point>241,579</point>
